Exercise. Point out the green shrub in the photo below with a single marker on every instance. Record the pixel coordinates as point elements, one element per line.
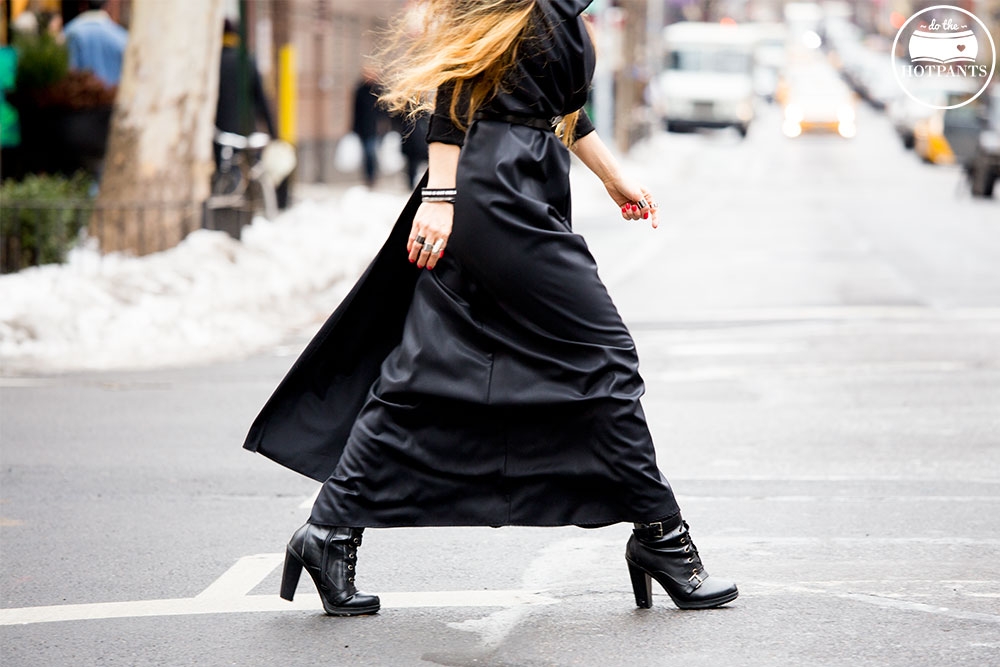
<point>41,62</point>
<point>41,218</point>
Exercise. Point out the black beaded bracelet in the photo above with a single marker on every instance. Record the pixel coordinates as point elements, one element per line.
<point>446,195</point>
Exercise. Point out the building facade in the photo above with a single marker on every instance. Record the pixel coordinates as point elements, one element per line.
<point>310,53</point>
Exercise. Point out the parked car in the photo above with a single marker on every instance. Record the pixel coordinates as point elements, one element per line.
<point>947,136</point>
<point>815,99</point>
<point>707,80</point>
<point>905,112</point>
<point>983,166</point>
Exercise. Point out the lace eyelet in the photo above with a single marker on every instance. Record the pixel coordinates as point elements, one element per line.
<point>350,567</point>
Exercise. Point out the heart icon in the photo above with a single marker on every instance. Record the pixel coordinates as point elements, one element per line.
<point>961,47</point>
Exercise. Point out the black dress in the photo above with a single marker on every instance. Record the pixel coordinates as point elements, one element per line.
<point>504,387</point>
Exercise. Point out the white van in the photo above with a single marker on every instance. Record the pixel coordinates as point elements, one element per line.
<point>707,77</point>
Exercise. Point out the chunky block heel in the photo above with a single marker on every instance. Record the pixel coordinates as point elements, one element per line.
<point>642,586</point>
<point>329,555</point>
<point>290,575</point>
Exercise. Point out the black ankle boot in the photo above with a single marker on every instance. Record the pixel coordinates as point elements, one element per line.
<point>664,551</point>
<point>330,556</point>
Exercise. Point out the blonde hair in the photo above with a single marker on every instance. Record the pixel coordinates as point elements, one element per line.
<point>470,44</point>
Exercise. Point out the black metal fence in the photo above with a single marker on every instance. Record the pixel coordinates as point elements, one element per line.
<point>34,233</point>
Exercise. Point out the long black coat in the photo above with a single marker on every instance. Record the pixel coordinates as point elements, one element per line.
<point>502,387</point>
<point>305,424</point>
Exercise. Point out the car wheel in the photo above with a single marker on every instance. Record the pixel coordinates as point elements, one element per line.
<point>982,181</point>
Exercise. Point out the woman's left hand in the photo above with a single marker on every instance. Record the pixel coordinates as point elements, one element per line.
<point>635,201</point>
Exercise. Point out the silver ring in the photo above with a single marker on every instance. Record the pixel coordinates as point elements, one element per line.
<point>419,240</point>
<point>642,203</point>
<point>437,247</point>
<point>654,205</point>
<point>428,248</point>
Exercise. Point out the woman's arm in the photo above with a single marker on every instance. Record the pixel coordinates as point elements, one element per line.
<point>433,220</point>
<point>633,199</point>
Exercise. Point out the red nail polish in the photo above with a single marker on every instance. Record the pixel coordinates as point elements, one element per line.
<point>412,260</point>
<point>645,216</point>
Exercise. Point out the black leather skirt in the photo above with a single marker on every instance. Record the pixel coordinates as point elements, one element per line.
<point>512,394</point>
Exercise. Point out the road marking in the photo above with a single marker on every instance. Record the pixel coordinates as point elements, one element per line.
<point>829,313</point>
<point>849,541</point>
<point>906,605</point>
<point>710,373</point>
<point>887,479</point>
<point>810,588</point>
<point>242,577</point>
<point>841,499</point>
<point>228,595</point>
<point>560,566</point>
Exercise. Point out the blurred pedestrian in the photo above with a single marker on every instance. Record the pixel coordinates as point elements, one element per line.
<point>227,111</point>
<point>96,43</point>
<point>414,147</point>
<point>367,115</point>
<point>501,388</point>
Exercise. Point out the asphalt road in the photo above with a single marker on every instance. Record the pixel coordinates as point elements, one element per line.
<point>819,327</point>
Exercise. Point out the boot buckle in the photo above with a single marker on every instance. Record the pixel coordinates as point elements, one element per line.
<point>658,525</point>
<point>696,577</point>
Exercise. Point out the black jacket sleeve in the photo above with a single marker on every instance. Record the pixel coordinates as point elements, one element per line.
<point>441,127</point>
<point>584,126</point>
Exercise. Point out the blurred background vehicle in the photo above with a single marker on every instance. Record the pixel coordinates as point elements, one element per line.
<point>947,136</point>
<point>905,112</point>
<point>875,82</point>
<point>815,99</point>
<point>768,58</point>
<point>983,165</point>
<point>707,81</point>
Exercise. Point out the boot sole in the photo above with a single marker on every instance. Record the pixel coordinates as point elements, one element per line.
<point>643,591</point>
<point>361,611</point>
<point>704,604</point>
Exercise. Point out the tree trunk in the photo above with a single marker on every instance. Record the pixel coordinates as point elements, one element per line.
<point>158,165</point>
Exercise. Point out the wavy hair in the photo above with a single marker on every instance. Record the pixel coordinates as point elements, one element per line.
<point>469,44</point>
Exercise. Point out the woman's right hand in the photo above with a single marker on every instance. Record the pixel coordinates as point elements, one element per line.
<point>433,224</point>
<point>635,201</point>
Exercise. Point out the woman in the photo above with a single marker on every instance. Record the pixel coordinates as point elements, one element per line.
<point>501,386</point>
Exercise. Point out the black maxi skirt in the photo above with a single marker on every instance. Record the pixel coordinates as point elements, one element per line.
<point>501,388</point>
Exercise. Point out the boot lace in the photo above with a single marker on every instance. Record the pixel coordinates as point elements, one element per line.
<point>693,558</point>
<point>351,555</point>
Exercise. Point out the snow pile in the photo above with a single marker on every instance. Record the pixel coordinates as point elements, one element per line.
<point>209,298</point>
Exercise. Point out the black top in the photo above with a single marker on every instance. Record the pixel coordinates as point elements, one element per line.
<point>227,113</point>
<point>552,78</point>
